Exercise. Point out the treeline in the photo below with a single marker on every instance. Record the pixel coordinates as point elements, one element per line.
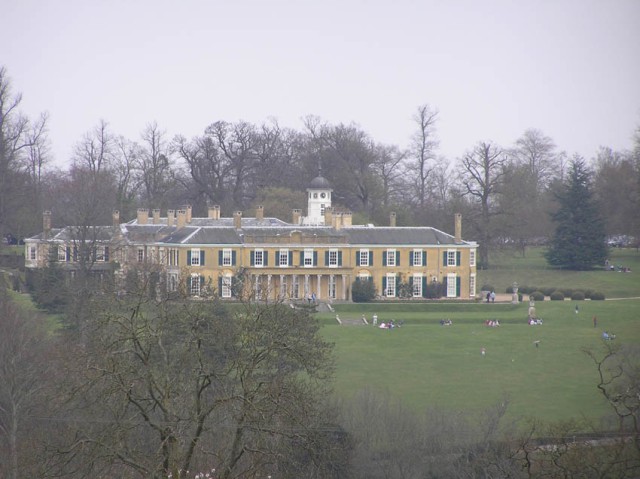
<point>505,192</point>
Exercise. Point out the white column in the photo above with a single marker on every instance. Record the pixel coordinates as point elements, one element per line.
<point>306,286</point>
<point>344,286</point>
<point>319,292</point>
<point>281,293</point>
<point>268,285</point>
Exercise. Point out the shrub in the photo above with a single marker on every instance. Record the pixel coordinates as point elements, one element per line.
<point>588,293</point>
<point>363,291</point>
<point>597,296</point>
<point>557,296</point>
<point>577,296</point>
<point>487,287</point>
<point>537,296</point>
<point>525,289</point>
<point>567,292</point>
<point>548,291</point>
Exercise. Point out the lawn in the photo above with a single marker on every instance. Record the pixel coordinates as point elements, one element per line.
<point>426,364</point>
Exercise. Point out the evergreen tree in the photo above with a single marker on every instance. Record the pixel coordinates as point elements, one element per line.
<point>579,239</point>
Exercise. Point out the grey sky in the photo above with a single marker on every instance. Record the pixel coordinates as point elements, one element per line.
<point>492,68</point>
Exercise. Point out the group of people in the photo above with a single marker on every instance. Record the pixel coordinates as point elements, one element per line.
<point>492,323</point>
<point>491,296</point>
<point>620,269</point>
<point>390,325</point>
<point>534,321</point>
<point>446,322</point>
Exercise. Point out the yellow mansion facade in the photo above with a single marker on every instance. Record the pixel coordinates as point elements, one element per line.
<point>316,256</point>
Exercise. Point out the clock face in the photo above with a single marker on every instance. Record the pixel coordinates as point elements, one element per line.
<point>315,195</point>
<point>322,195</point>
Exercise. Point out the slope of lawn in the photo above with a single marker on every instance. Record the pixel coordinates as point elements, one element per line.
<point>426,364</point>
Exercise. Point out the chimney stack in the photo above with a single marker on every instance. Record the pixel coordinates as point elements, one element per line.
<point>392,219</point>
<point>337,221</point>
<point>237,220</point>
<point>115,219</point>
<point>171,216</point>
<point>188,213</point>
<point>181,219</point>
<point>328,216</point>
<point>347,219</point>
<point>296,217</point>
<point>156,216</point>
<point>214,212</point>
<point>458,228</point>
<point>46,223</point>
<point>259,213</point>
<point>143,216</point>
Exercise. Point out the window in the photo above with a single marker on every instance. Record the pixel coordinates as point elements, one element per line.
<point>100,254</point>
<point>195,257</point>
<point>333,258</point>
<point>140,255</point>
<point>451,257</point>
<point>416,257</point>
<point>258,258</point>
<point>32,253</point>
<point>390,289</point>
<point>227,257</point>
<point>195,285</point>
<point>391,258</point>
<point>173,257</point>
<point>472,285</point>
<point>62,253</point>
<point>363,257</point>
<point>472,257</point>
<point>225,290</point>
<point>452,283</point>
<point>364,277</point>
<point>332,287</point>
<point>308,258</point>
<point>283,257</point>
<point>417,285</point>
<point>172,282</point>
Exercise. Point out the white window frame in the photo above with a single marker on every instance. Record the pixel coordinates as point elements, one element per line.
<point>225,290</point>
<point>195,285</point>
<point>100,254</point>
<point>364,257</point>
<point>283,258</point>
<point>227,257</point>
<point>33,253</point>
<point>451,285</point>
<point>258,258</point>
<point>195,257</point>
<point>308,258</point>
<point>364,276</point>
<point>417,286</point>
<point>333,258</point>
<point>172,282</point>
<point>62,253</point>
<point>472,257</point>
<point>140,255</point>
<point>416,257</point>
<point>391,253</point>
<point>332,286</point>
<point>390,290</point>
<point>472,285</point>
<point>173,257</point>
<point>451,257</point>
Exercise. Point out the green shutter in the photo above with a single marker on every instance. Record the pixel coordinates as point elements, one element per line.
<point>189,285</point>
<point>290,258</point>
<point>444,259</point>
<point>233,258</point>
<point>339,258</point>
<point>424,286</point>
<point>106,253</point>
<point>358,258</point>
<point>219,258</point>
<point>457,286</point>
<point>315,258</point>
<point>384,286</point>
<point>189,258</point>
<point>398,258</point>
<point>202,257</point>
<point>457,258</point>
<point>67,255</point>
<point>301,258</point>
<point>424,257</point>
<point>220,287</point>
<point>384,258</point>
<point>326,258</point>
<point>252,260</point>
<point>370,257</point>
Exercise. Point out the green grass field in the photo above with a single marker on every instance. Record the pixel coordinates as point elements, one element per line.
<point>426,364</point>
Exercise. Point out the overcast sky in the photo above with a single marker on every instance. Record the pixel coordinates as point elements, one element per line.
<point>570,68</point>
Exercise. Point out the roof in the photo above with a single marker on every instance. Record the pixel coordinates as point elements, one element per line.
<point>320,182</point>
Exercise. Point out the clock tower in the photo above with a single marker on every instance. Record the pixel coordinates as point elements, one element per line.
<point>318,198</point>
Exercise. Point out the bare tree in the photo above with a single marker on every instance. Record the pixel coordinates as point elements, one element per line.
<point>481,174</point>
<point>154,166</point>
<point>423,146</point>
<point>95,151</point>
<point>24,367</point>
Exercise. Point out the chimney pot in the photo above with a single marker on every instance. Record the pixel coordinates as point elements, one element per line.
<point>143,216</point>
<point>237,220</point>
<point>392,219</point>
<point>458,228</point>
<point>259,213</point>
